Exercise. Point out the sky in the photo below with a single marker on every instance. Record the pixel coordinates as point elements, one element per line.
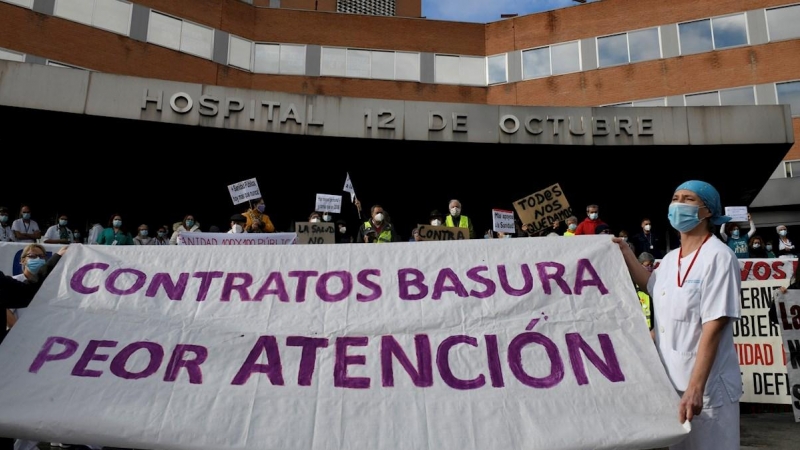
<point>485,11</point>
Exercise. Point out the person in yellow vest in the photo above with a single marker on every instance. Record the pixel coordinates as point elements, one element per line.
<point>455,219</point>
<point>572,225</point>
<point>647,260</point>
<point>378,229</point>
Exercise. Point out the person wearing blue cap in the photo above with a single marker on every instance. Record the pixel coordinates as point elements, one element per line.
<point>695,295</point>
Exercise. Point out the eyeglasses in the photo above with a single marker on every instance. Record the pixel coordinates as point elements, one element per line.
<point>32,256</point>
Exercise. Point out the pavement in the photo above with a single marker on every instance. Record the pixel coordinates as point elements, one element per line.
<point>773,431</point>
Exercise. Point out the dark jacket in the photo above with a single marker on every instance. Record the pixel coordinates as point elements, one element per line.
<point>18,294</point>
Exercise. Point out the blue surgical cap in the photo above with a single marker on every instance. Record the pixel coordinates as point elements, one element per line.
<point>710,198</point>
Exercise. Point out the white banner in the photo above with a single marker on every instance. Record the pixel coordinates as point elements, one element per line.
<point>503,221</point>
<point>328,203</point>
<point>788,309</point>
<point>759,343</point>
<point>188,238</point>
<point>476,344</point>
<point>11,253</point>
<point>244,191</point>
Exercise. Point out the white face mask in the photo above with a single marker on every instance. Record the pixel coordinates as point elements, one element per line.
<point>436,222</point>
<point>647,228</point>
<point>326,217</point>
<point>379,217</point>
<point>237,228</point>
<point>593,216</point>
<point>342,230</point>
<point>455,210</point>
<point>315,220</point>
<point>782,232</point>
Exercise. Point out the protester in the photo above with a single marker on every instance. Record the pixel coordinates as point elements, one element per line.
<point>695,292</point>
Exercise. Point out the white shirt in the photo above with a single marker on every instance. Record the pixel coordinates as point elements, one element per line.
<point>94,233</point>
<point>711,290</point>
<point>22,227</point>
<point>55,234</point>
<point>6,234</point>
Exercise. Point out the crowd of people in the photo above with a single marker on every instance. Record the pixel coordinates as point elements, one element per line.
<point>690,320</point>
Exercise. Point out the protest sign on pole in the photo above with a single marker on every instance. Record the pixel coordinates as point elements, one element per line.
<point>503,221</point>
<point>540,209</point>
<point>348,187</point>
<point>328,203</point>
<point>339,346</point>
<point>244,191</point>
<point>788,312</point>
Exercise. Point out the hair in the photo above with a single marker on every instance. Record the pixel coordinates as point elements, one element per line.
<point>111,220</point>
<point>372,210</point>
<point>186,217</point>
<point>454,200</point>
<point>644,256</point>
<point>313,214</point>
<point>21,208</point>
<point>592,206</point>
<point>756,237</point>
<point>572,219</point>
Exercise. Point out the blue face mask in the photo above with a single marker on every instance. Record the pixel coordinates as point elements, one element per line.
<point>4,218</point>
<point>735,234</point>
<point>161,234</point>
<point>190,223</point>
<point>143,232</point>
<point>26,216</point>
<point>117,223</point>
<point>572,227</point>
<point>34,265</point>
<point>683,217</point>
<point>63,223</point>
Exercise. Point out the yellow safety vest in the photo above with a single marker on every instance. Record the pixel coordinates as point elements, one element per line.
<point>463,222</point>
<point>644,299</point>
<point>385,236</point>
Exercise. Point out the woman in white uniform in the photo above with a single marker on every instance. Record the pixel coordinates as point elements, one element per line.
<point>695,294</point>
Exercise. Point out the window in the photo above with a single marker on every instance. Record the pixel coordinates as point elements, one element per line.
<point>738,96</point>
<point>645,45</point>
<point>710,34</point>
<point>652,102</point>
<point>554,60</point>
<point>789,94</point>
<point>110,15</point>
<point>8,55</point>
<point>497,69</point>
<point>782,23</point>
<point>358,63</point>
<point>642,45</point>
<point>466,70</point>
<point>382,65</point>
<point>285,59</point>
<point>407,66</point>
<point>536,63</point>
<point>703,99</point>
<point>612,50</point>
<point>24,3</point>
<point>334,62</point>
<point>240,53</point>
<point>180,35</point>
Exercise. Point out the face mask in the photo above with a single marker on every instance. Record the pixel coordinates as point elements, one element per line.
<point>683,217</point>
<point>77,235</point>
<point>342,230</point>
<point>769,247</point>
<point>508,236</point>
<point>143,232</point>
<point>261,208</point>
<point>161,234</point>
<point>647,228</point>
<point>326,217</point>
<point>436,222</point>
<point>117,223</point>
<point>34,265</point>
<point>455,211</point>
<point>593,216</point>
<point>63,223</point>
<point>735,234</point>
<point>190,223</point>
<point>486,236</point>
<point>237,228</point>
<point>782,232</point>
<point>315,220</point>
<point>572,227</point>
<point>26,216</point>
<point>756,245</point>
<point>379,217</point>
<point>3,218</point>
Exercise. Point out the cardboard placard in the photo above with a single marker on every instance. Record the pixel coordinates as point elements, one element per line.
<point>315,233</point>
<point>432,233</point>
<point>540,209</point>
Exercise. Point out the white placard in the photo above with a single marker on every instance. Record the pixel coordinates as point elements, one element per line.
<point>244,191</point>
<point>188,238</point>
<point>328,203</point>
<point>503,221</point>
<point>788,309</point>
<point>736,213</point>
<point>348,187</point>
<point>485,344</point>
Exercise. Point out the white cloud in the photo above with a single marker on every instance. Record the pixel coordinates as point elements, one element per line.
<point>485,11</point>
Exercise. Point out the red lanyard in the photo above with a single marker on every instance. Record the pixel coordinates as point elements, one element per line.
<point>680,283</point>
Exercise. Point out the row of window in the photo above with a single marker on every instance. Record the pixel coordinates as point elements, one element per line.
<point>629,47</point>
